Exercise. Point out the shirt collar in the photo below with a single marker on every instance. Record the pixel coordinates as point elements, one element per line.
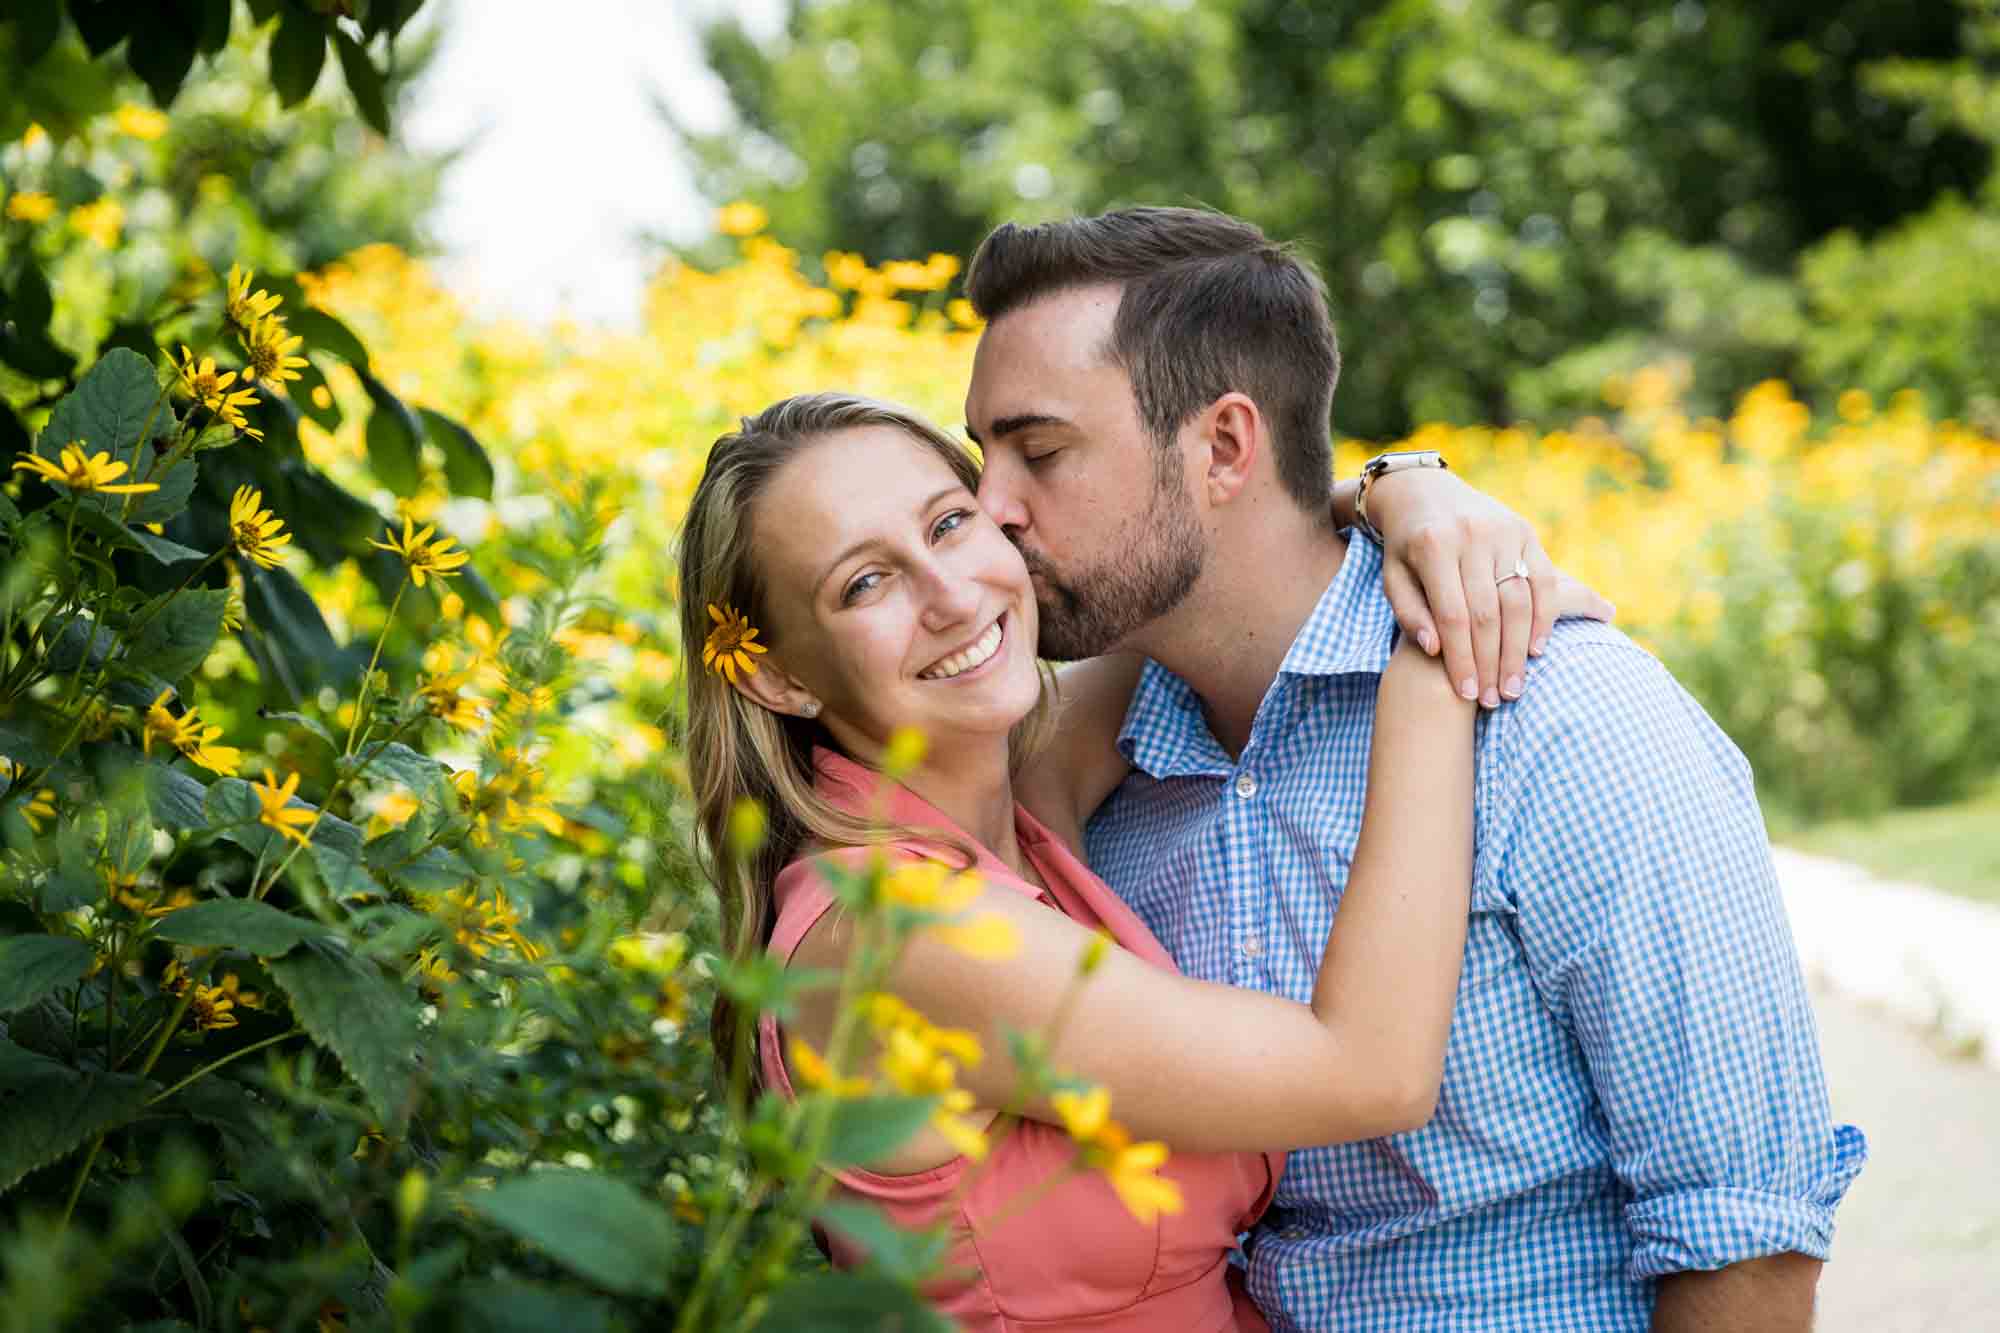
<point>1351,631</point>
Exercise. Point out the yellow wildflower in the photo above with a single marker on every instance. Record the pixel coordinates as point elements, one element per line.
<point>904,752</point>
<point>38,807</point>
<point>211,1008</point>
<point>1084,1114</point>
<point>432,967</point>
<point>233,610</point>
<point>271,352</point>
<point>233,988</point>
<point>731,643</point>
<point>81,472</point>
<point>421,556</point>
<point>187,734</point>
<point>276,812</point>
<point>815,1073</point>
<point>204,384</point>
<point>34,136</point>
<point>243,308</point>
<point>931,886</point>
<point>444,699</point>
<point>1134,1172</point>
<point>102,221</point>
<point>740,219</point>
<point>255,533</point>
<point>141,122</point>
<point>949,1120</point>
<point>31,206</point>
<point>987,936</point>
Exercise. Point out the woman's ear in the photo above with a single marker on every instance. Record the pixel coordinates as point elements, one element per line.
<point>771,686</point>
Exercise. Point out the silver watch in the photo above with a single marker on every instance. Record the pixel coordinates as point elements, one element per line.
<point>1381,465</point>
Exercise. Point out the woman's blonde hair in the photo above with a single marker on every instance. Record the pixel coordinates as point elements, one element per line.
<point>737,749</point>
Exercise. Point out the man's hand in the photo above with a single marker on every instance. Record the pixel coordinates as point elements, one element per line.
<point>1769,1295</point>
<point>1448,547</point>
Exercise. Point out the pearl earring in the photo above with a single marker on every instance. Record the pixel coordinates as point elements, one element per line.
<point>810,708</point>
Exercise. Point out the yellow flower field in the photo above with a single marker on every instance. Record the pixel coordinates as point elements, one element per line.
<point>1633,501</point>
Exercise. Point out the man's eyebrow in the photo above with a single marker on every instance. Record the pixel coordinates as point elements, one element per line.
<point>866,542</point>
<point>1005,426</point>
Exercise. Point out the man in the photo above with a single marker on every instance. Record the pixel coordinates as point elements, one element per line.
<point>1633,1126</point>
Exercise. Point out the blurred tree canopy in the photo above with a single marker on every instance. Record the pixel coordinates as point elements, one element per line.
<point>1510,201</point>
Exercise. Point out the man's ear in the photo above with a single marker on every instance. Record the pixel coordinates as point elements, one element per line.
<point>1232,428</point>
<point>771,686</point>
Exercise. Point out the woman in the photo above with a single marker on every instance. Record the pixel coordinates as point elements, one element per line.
<point>847,531</point>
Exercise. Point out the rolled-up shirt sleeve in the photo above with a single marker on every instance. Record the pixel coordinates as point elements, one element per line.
<point>1631,844</point>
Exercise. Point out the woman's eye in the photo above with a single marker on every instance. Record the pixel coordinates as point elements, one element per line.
<point>858,587</point>
<point>1033,460</point>
<point>950,523</point>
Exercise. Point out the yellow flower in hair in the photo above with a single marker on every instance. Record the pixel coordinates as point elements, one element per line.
<point>731,643</point>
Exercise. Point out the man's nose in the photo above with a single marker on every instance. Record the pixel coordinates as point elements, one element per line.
<point>1001,498</point>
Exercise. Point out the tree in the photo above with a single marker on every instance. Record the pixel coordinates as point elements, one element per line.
<point>1509,200</point>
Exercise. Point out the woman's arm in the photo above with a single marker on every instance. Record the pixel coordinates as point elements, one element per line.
<point>1211,1067</point>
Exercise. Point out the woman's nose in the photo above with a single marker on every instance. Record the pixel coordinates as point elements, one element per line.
<point>950,597</point>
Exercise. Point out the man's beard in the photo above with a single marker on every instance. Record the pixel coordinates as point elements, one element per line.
<point>1097,610</point>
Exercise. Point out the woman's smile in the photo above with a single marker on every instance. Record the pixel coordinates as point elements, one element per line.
<point>968,661</point>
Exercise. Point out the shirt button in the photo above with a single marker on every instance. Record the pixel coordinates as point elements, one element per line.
<point>1246,785</point>
<point>1252,945</point>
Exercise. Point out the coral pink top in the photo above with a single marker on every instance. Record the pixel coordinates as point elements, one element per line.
<point>1076,1259</point>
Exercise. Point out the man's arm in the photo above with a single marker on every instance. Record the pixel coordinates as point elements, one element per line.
<point>1625,827</point>
<point>1755,1296</point>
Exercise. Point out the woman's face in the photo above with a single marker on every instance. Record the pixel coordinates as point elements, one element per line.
<point>893,598</point>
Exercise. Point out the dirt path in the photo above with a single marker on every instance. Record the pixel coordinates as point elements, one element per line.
<point>1917,1245</point>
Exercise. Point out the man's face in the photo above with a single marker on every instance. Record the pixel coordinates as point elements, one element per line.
<point>1105,523</point>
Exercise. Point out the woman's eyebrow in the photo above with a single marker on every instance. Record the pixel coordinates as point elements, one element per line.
<point>866,542</point>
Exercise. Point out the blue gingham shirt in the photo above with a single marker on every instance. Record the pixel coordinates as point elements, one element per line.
<point>1633,1083</point>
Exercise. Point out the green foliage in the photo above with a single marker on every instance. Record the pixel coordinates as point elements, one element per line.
<point>1509,199</point>
<point>1851,674</point>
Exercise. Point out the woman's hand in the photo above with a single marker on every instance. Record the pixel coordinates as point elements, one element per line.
<point>1449,553</point>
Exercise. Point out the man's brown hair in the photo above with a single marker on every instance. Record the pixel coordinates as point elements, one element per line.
<point>1209,305</point>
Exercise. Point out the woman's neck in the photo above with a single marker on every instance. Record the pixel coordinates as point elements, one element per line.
<point>974,788</point>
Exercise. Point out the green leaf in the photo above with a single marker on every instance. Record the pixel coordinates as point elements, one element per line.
<point>394,436</point>
<point>364,81</point>
<point>466,466</point>
<point>595,1225</point>
<point>36,24</point>
<point>905,1256</point>
<point>162,550</point>
<point>867,1129</point>
<point>182,633</point>
<point>298,50</point>
<point>323,333</point>
<point>346,878</point>
<point>397,762</point>
<point>501,1305</point>
<point>296,642</point>
<point>232,806</point>
<point>312,724</point>
<point>50,1110</point>
<point>764,984</point>
<point>31,966</point>
<point>347,1006</point>
<point>107,410</point>
<point>101,26</point>
<point>435,870</point>
<point>161,51</point>
<point>214,29</point>
<point>175,799</point>
<point>9,515</point>
<point>239,923</point>
<point>848,1303</point>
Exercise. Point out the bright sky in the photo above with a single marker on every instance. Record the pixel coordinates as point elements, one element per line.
<point>567,164</point>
